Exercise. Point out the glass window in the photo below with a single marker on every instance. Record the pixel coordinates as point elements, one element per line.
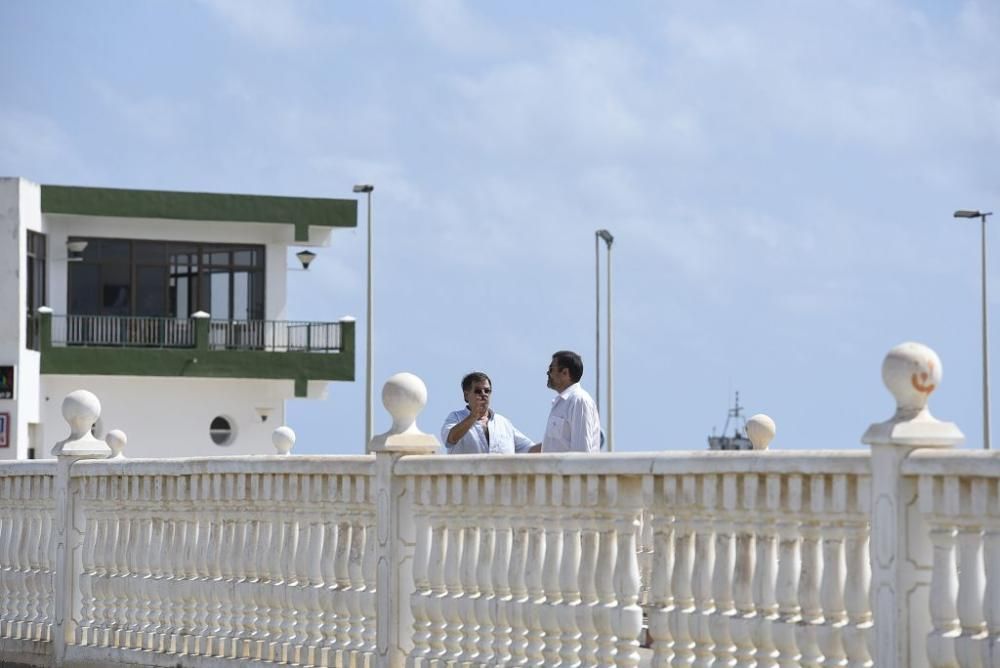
<point>150,291</point>
<point>84,288</point>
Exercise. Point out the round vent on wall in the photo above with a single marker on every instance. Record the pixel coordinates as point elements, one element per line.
<point>221,431</point>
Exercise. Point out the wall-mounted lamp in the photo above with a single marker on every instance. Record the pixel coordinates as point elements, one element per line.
<point>264,412</point>
<point>74,250</point>
<point>305,257</point>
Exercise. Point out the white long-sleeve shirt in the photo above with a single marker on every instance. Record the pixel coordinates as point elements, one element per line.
<point>573,425</point>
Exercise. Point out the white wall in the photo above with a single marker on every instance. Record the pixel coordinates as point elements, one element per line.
<point>170,417</point>
<point>20,202</point>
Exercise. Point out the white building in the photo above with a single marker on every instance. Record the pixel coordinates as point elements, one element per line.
<point>167,299</point>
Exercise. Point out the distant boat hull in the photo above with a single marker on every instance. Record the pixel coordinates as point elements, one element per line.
<point>729,443</point>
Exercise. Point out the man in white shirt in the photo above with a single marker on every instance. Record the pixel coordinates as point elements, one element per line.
<point>477,428</point>
<point>573,425</point>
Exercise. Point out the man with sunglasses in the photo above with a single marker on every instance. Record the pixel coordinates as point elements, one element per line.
<point>477,428</point>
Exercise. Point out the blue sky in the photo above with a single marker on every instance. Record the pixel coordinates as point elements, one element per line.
<point>779,177</point>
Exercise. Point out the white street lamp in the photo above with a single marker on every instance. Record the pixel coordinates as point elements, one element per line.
<point>963,213</point>
<point>608,240</point>
<point>369,334</point>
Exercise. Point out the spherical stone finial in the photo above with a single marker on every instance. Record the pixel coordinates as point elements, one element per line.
<point>116,440</point>
<point>404,395</point>
<point>81,409</point>
<point>911,371</point>
<point>760,431</point>
<point>283,439</point>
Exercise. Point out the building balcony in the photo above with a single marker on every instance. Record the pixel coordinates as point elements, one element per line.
<point>196,347</point>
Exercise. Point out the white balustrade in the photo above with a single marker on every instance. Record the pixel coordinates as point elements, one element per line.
<point>731,559</point>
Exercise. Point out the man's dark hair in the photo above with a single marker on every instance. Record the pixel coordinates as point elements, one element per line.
<point>567,359</point>
<point>473,378</point>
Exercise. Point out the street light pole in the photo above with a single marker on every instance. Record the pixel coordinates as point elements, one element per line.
<point>986,352</point>
<point>369,325</point>
<point>608,240</point>
<point>597,322</point>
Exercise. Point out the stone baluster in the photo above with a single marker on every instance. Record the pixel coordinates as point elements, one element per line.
<point>680,621</point>
<point>275,572</point>
<point>661,591</point>
<point>722,578</point>
<point>857,599</point>
<point>164,583</point>
<point>701,573</point>
<point>789,571</point>
<point>518,613</point>
<point>138,551</point>
<point>625,497</point>
<point>311,580</point>
<point>312,632</point>
<point>6,574</point>
<point>49,569</point>
<point>589,549</point>
<point>209,542</point>
<point>297,583</point>
<point>486,603</point>
<point>991,597</point>
<point>436,568</point>
<point>88,571</point>
<point>829,636</point>
<point>229,563</point>
<point>284,587</point>
<point>972,576</point>
<point>32,581</point>
<point>266,543</point>
<point>607,560</point>
<point>329,592</point>
<point>119,618</point>
<point>944,590</point>
<point>151,618</point>
<point>355,578</point>
<point>746,559</point>
<point>500,604</point>
<point>569,577</point>
<point>470,593</point>
<point>548,617</point>
<point>450,604</point>
<point>247,542</point>
<point>765,576</point>
<point>534,577</point>
<point>345,537</point>
<point>15,575</point>
<point>419,489</point>
<point>144,567</point>
<point>810,603</point>
<point>103,592</point>
<point>369,597</point>
<point>646,541</point>
<point>173,582</point>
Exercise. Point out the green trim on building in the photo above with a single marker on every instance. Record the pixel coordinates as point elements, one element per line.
<point>200,362</point>
<point>302,212</point>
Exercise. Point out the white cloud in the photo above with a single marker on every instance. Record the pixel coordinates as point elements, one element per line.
<point>280,24</point>
<point>450,26</point>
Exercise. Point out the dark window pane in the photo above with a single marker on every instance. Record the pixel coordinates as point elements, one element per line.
<point>150,291</point>
<point>115,250</point>
<point>149,252</point>
<point>115,289</point>
<point>244,258</point>
<point>217,258</point>
<point>83,289</point>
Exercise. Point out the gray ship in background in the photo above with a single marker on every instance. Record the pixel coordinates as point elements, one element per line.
<point>739,440</point>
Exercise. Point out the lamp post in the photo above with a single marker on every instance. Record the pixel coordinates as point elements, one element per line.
<point>962,213</point>
<point>369,337</point>
<point>608,240</point>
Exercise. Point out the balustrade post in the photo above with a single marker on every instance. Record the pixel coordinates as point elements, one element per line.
<point>81,410</point>
<point>911,371</point>
<point>404,396</point>
<point>201,326</point>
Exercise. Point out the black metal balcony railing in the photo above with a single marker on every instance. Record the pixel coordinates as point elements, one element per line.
<point>143,332</point>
